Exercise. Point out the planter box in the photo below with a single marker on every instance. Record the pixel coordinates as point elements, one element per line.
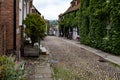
<point>30,51</point>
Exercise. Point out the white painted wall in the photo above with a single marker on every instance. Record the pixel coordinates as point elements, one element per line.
<point>25,9</point>
<point>20,12</point>
<point>28,9</point>
<point>75,33</point>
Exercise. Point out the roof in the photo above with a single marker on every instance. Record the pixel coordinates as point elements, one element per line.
<point>36,9</point>
<point>71,9</point>
<point>60,15</point>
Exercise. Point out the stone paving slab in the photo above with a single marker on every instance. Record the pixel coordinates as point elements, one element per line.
<point>45,75</point>
<point>38,68</point>
<point>44,79</point>
<point>43,71</point>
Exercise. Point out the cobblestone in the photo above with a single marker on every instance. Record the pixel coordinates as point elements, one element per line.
<point>80,61</point>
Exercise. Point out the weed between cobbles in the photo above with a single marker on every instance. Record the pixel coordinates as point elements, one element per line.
<point>64,74</point>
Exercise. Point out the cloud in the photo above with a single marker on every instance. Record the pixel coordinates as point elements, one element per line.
<point>50,9</point>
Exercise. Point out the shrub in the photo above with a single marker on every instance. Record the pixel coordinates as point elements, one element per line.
<point>10,70</point>
<point>35,27</point>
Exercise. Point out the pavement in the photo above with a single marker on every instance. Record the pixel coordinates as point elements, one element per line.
<point>38,67</point>
<point>107,56</point>
<point>43,72</point>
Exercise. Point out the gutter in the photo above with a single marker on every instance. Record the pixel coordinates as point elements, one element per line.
<point>14,29</point>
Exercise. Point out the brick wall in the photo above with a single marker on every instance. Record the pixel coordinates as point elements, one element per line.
<point>7,20</point>
<point>0,32</point>
<point>78,1</point>
<point>0,40</point>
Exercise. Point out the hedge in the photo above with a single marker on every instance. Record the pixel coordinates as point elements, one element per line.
<point>99,23</point>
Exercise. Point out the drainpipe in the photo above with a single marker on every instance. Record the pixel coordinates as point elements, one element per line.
<point>14,29</point>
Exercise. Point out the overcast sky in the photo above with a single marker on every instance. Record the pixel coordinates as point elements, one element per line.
<point>50,9</point>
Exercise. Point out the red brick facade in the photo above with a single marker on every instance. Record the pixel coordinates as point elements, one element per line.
<point>10,30</point>
<point>7,26</point>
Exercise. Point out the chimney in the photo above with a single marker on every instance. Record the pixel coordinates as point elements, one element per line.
<point>73,3</point>
<point>78,1</point>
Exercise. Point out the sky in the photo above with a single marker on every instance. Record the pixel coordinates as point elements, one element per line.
<point>50,9</point>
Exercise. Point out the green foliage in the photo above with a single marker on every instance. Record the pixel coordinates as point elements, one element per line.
<point>69,21</point>
<point>64,74</point>
<point>114,32</point>
<point>84,22</point>
<point>35,27</point>
<point>8,71</point>
<point>100,24</point>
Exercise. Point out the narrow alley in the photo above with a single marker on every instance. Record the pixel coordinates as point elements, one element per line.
<point>84,64</point>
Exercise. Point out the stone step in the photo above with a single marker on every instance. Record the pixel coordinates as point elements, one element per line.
<point>43,50</point>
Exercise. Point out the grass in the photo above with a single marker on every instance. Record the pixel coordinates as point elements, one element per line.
<point>116,65</point>
<point>63,74</point>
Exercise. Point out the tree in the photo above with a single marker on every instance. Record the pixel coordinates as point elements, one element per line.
<point>35,27</point>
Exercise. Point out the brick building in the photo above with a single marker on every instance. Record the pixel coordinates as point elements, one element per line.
<point>12,13</point>
<point>9,25</point>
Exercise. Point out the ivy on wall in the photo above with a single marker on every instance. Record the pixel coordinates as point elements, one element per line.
<point>84,21</point>
<point>69,21</point>
<point>114,32</point>
<point>99,24</point>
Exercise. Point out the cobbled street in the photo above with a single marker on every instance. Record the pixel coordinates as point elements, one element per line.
<point>79,61</point>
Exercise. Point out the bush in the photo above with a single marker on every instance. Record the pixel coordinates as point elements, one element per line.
<point>10,70</point>
<point>35,27</point>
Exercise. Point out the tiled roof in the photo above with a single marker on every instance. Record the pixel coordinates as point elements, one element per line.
<point>60,15</point>
<point>71,9</point>
<point>36,10</point>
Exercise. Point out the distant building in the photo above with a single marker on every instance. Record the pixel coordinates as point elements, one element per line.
<point>47,27</point>
<point>72,31</point>
<point>54,30</point>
